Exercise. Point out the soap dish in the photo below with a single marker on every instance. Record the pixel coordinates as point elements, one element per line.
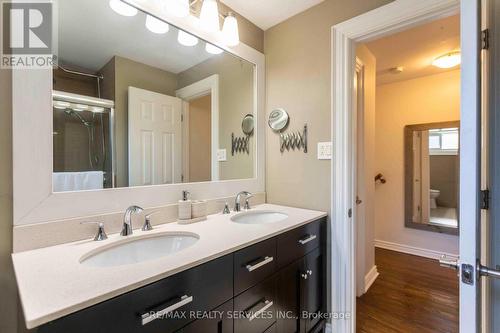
<point>196,219</point>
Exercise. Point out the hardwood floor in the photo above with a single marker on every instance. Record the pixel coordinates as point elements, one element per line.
<point>411,294</point>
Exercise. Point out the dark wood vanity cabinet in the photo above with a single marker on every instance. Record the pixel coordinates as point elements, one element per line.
<point>267,287</point>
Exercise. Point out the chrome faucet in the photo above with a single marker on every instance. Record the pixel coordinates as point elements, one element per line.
<point>237,204</point>
<point>127,220</point>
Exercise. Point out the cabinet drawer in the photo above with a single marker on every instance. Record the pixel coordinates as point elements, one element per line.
<point>298,242</point>
<point>253,264</point>
<point>200,288</point>
<point>221,322</point>
<point>272,329</point>
<point>255,309</point>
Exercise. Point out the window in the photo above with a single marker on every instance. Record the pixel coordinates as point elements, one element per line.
<point>444,141</point>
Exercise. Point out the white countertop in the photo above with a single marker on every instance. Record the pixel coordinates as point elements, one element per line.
<point>52,283</point>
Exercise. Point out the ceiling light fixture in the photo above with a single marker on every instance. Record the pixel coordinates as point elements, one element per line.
<point>186,39</point>
<point>448,60</point>
<point>179,8</point>
<point>230,30</point>
<point>155,25</point>
<point>212,49</point>
<point>122,8</point>
<point>209,16</point>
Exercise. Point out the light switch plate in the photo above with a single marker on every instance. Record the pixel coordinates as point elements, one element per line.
<point>324,150</point>
<point>221,155</point>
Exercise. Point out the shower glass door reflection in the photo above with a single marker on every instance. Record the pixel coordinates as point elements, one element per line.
<point>82,146</point>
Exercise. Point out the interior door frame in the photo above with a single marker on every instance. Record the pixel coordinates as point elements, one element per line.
<point>207,86</point>
<point>391,18</point>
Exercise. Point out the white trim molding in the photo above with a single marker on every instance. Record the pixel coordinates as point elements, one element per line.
<point>34,200</point>
<point>391,18</point>
<point>416,251</point>
<point>207,86</point>
<point>370,277</point>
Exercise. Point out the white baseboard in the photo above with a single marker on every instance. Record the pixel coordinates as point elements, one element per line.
<point>370,277</point>
<point>416,251</point>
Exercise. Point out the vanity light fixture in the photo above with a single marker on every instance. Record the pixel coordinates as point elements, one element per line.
<point>156,26</point>
<point>448,60</point>
<point>122,8</point>
<point>230,30</point>
<point>212,49</point>
<point>209,16</point>
<point>179,8</point>
<point>186,39</point>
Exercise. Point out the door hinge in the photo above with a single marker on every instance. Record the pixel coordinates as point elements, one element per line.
<point>349,212</point>
<point>485,199</point>
<point>182,178</point>
<point>485,39</point>
<point>182,117</point>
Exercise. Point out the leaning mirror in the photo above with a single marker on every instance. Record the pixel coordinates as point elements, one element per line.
<point>139,102</point>
<point>432,167</point>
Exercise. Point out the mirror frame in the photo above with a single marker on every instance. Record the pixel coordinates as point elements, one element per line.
<point>408,174</point>
<point>33,198</point>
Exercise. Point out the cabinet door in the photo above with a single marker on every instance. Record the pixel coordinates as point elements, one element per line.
<point>288,290</point>
<point>219,321</point>
<point>312,289</point>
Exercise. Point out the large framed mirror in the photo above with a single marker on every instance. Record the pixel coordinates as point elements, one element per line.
<point>432,173</point>
<point>138,109</point>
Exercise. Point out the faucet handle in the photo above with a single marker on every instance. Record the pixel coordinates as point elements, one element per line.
<point>101,234</point>
<point>147,221</point>
<point>226,209</point>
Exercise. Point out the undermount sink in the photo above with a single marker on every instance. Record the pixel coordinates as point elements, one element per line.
<point>259,217</point>
<point>140,249</point>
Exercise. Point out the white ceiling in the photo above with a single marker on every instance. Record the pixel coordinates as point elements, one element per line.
<point>91,33</point>
<point>267,13</point>
<point>415,49</point>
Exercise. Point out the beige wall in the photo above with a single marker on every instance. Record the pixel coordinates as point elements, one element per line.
<point>445,176</point>
<point>200,133</point>
<point>298,73</point>
<point>130,73</point>
<point>428,99</point>
<point>367,190</point>
<point>235,101</point>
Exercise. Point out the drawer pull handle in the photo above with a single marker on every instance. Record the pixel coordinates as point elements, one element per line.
<point>304,241</point>
<point>151,316</point>
<point>267,305</point>
<point>266,261</point>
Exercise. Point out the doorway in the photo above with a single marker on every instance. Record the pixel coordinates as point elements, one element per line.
<point>398,16</point>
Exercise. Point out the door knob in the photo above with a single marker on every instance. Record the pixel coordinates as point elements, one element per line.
<point>446,262</point>
<point>304,276</point>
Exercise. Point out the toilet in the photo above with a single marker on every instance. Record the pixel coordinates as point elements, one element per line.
<point>434,194</point>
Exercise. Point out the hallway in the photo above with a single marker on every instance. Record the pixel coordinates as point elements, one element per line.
<point>412,294</point>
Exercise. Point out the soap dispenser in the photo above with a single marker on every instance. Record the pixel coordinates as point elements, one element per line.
<point>185,206</point>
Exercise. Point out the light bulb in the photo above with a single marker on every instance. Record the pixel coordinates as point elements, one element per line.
<point>212,49</point>
<point>156,26</point>
<point>447,60</point>
<point>179,8</point>
<point>230,30</point>
<point>122,8</point>
<point>60,105</point>
<point>186,39</point>
<point>209,16</point>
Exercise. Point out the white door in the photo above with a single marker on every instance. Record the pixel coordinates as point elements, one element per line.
<point>154,138</point>
<point>470,168</point>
